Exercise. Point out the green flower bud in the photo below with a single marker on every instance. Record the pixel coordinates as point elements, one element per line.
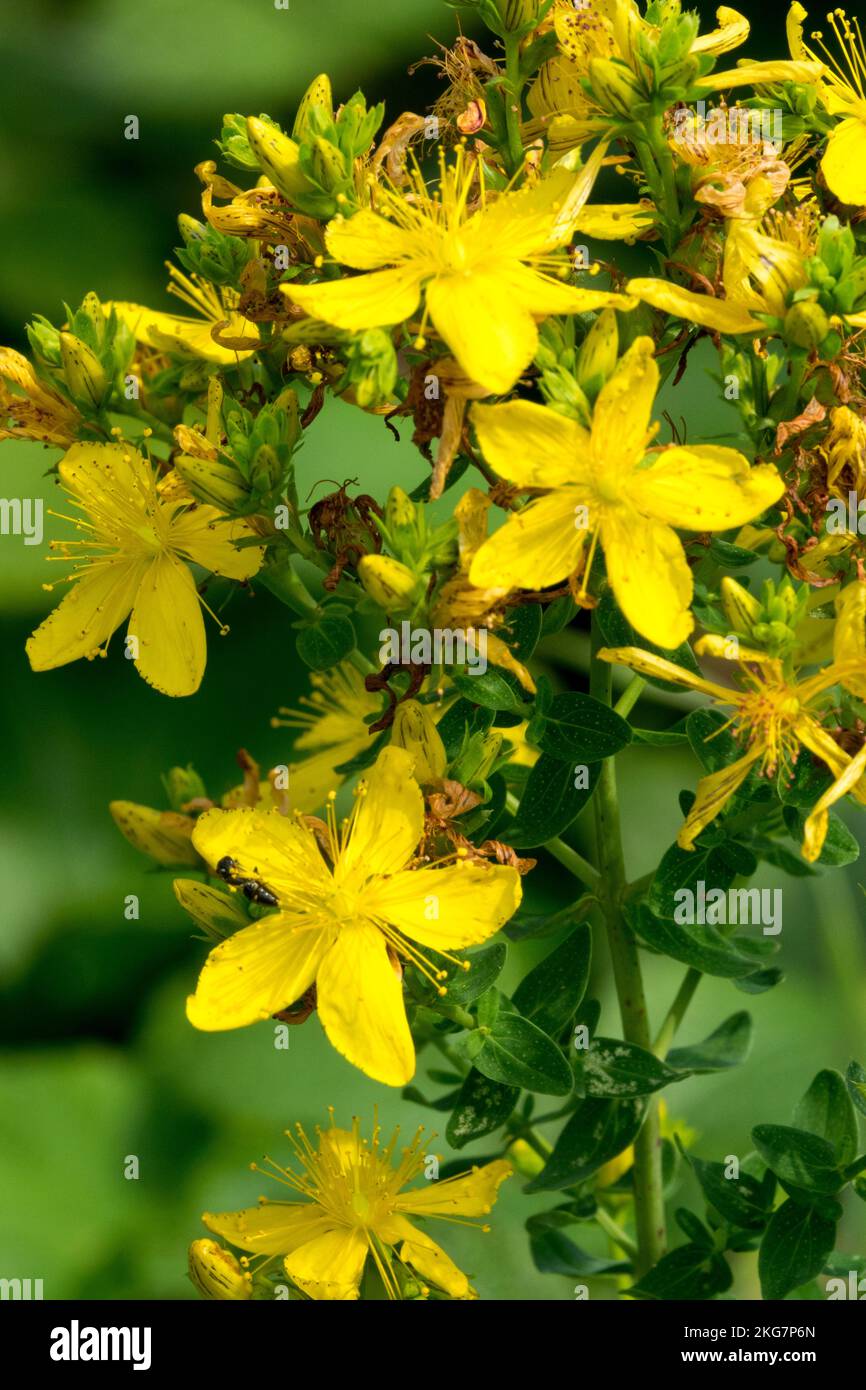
<point>216,1273</point>
<point>527,1160</point>
<point>318,94</point>
<point>742,609</point>
<point>414,729</point>
<point>598,353</point>
<point>389,583</point>
<point>83,372</point>
<point>190,228</point>
<point>182,785</point>
<point>806,325</point>
<point>515,15</point>
<point>218,484</point>
<point>329,165</point>
<point>278,156</point>
<point>614,87</point>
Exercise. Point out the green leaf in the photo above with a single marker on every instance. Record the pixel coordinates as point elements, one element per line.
<point>731,557</point>
<point>702,947</point>
<point>760,981</point>
<point>694,1229</point>
<point>679,869</point>
<point>662,738</point>
<point>482,1106</point>
<point>550,802</point>
<point>799,1158</point>
<point>517,1053</point>
<point>855,1080</point>
<point>461,721</point>
<point>554,1253</point>
<point>840,846</point>
<point>551,993</point>
<point>326,643</point>
<point>494,689</point>
<point>598,1131</point>
<point>690,1274</point>
<point>828,1111</point>
<point>795,1248</point>
<point>616,1069</point>
<point>727,1046</point>
<point>485,966</point>
<point>742,1201</point>
<point>523,629</point>
<point>577,728</point>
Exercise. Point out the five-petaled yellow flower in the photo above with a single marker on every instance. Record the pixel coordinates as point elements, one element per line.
<point>132,563</point>
<point>601,485</point>
<point>345,925</point>
<point>354,1208</point>
<point>773,718</point>
<point>842,89</point>
<point>486,275</point>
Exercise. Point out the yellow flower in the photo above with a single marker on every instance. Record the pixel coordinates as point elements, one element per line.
<point>486,275</point>
<point>32,410</point>
<point>762,271</point>
<point>774,718</point>
<point>842,94</point>
<point>192,337</point>
<point>345,925</point>
<point>602,485</point>
<point>131,561</point>
<point>336,728</point>
<point>354,1206</point>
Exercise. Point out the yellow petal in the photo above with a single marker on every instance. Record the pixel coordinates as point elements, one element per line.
<point>819,742</point>
<point>201,536</point>
<point>367,240</point>
<point>329,1268</point>
<point>470,1194</point>
<point>269,847</point>
<point>615,221</point>
<point>388,822</point>
<point>360,998</point>
<point>815,830</point>
<point>537,546</point>
<point>659,668</point>
<point>720,314</point>
<point>649,575</point>
<point>732,31</point>
<point>530,444</point>
<point>844,162</point>
<point>761,74</point>
<point>794,31</point>
<point>537,217</point>
<point>374,300</point>
<point>429,1259</point>
<point>186,336</point>
<point>272,1228</point>
<point>492,335</point>
<point>705,488</point>
<point>86,617</point>
<point>447,908</point>
<point>541,295</point>
<point>101,475</point>
<point>168,626</point>
<point>849,638</point>
<point>257,972</point>
<point>621,419</point>
<point>730,649</point>
<point>713,793</point>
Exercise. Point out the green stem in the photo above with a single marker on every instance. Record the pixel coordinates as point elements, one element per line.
<point>676,1012</point>
<point>513,88</point>
<point>630,696</point>
<point>616,1233</point>
<point>648,1194</point>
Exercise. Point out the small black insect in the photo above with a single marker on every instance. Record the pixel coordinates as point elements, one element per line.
<point>229,870</point>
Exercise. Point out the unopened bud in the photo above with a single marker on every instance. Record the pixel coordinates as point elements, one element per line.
<point>414,729</point>
<point>597,357</point>
<point>317,94</point>
<point>389,583</point>
<point>216,1273</point>
<point>83,372</point>
<point>162,835</point>
<point>278,156</point>
<point>806,325</point>
<point>742,609</point>
<point>210,481</point>
<point>527,1160</point>
<point>614,87</point>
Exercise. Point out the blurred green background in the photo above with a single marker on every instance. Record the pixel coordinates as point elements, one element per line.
<point>97,1060</point>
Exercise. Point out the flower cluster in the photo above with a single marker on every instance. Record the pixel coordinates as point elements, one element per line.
<point>438,270</point>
